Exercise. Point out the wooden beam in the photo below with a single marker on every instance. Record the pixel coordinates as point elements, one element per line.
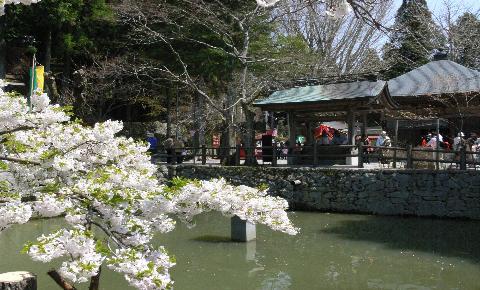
<point>291,129</point>
<point>309,132</point>
<point>364,124</point>
<point>351,127</point>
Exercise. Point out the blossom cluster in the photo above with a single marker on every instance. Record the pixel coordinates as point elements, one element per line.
<point>5,2</point>
<point>106,188</point>
<point>251,204</point>
<point>78,244</point>
<point>334,9</point>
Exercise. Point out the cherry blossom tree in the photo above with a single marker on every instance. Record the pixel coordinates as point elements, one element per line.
<point>107,190</point>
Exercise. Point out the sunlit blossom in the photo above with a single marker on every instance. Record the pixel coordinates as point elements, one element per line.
<point>104,183</point>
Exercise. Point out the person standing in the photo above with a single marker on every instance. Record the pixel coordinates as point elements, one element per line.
<point>152,142</point>
<point>458,141</point>
<point>366,148</point>
<point>383,140</point>
<point>168,145</point>
<point>179,150</point>
<point>432,143</point>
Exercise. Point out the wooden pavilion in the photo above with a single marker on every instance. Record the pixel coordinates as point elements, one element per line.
<point>440,89</point>
<point>439,95</point>
<point>334,102</point>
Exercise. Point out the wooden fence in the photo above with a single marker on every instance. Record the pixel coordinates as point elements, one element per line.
<point>323,155</point>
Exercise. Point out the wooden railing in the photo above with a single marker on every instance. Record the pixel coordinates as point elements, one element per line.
<point>315,155</point>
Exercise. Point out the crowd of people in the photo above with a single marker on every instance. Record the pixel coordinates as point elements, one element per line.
<point>174,148</point>
<point>175,151</point>
<point>448,143</point>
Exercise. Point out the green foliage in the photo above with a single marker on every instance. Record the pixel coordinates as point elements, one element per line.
<point>49,154</point>
<point>466,41</point>
<point>13,145</point>
<point>3,166</point>
<point>414,40</point>
<point>176,184</point>
<point>263,186</point>
<point>77,28</point>
<point>101,247</point>
<point>53,187</point>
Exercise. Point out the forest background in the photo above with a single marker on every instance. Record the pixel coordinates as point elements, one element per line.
<point>193,68</point>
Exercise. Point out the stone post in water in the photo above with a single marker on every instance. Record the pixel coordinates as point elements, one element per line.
<point>242,231</point>
<point>18,281</point>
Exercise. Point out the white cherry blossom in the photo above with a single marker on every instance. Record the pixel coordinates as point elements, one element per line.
<point>100,182</point>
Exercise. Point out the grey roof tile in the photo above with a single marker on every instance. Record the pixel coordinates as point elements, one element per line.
<point>340,91</point>
<point>436,77</point>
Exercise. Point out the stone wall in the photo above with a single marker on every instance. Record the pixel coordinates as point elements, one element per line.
<point>385,192</point>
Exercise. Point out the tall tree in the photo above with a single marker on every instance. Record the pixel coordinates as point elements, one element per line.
<point>76,27</point>
<point>466,44</point>
<point>414,39</point>
<point>340,46</point>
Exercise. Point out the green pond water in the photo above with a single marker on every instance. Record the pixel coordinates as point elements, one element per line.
<point>333,251</point>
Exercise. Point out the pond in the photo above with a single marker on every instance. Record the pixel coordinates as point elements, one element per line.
<point>333,251</point>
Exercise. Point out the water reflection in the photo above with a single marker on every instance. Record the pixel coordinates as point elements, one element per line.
<point>331,252</point>
<point>450,238</point>
<point>281,282</point>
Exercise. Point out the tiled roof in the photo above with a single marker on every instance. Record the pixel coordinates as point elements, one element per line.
<point>436,77</point>
<point>314,94</point>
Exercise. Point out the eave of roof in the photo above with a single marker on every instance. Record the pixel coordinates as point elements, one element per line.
<point>325,93</point>
<point>436,78</point>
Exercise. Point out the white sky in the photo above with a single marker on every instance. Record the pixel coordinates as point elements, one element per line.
<point>436,5</point>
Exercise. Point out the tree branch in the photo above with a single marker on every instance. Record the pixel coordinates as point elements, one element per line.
<point>19,160</point>
<point>60,281</point>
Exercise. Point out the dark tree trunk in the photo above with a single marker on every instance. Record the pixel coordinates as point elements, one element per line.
<point>67,65</point>
<point>60,281</point>
<point>227,139</point>
<point>79,81</point>
<point>168,98</point>
<point>226,142</point>
<point>202,124</point>
<point>95,280</point>
<point>249,135</point>
<point>199,116</point>
<point>47,57</point>
<point>67,70</point>
<point>3,49</point>
<point>196,125</point>
<point>52,89</point>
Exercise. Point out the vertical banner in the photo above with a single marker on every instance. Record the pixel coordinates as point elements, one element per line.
<point>39,78</point>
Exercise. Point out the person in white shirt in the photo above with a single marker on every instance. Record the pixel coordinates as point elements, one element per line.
<point>433,142</point>
<point>458,141</point>
<point>383,140</point>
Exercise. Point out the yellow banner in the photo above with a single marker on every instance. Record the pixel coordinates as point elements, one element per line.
<point>39,79</point>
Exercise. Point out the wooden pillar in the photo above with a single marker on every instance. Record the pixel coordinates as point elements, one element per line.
<point>309,133</point>
<point>237,155</point>
<point>351,127</point>
<point>292,132</point>
<point>351,139</point>
<point>360,154</point>
<point>437,154</point>
<point>463,158</point>
<point>396,145</point>
<point>364,123</point>
<point>291,128</point>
